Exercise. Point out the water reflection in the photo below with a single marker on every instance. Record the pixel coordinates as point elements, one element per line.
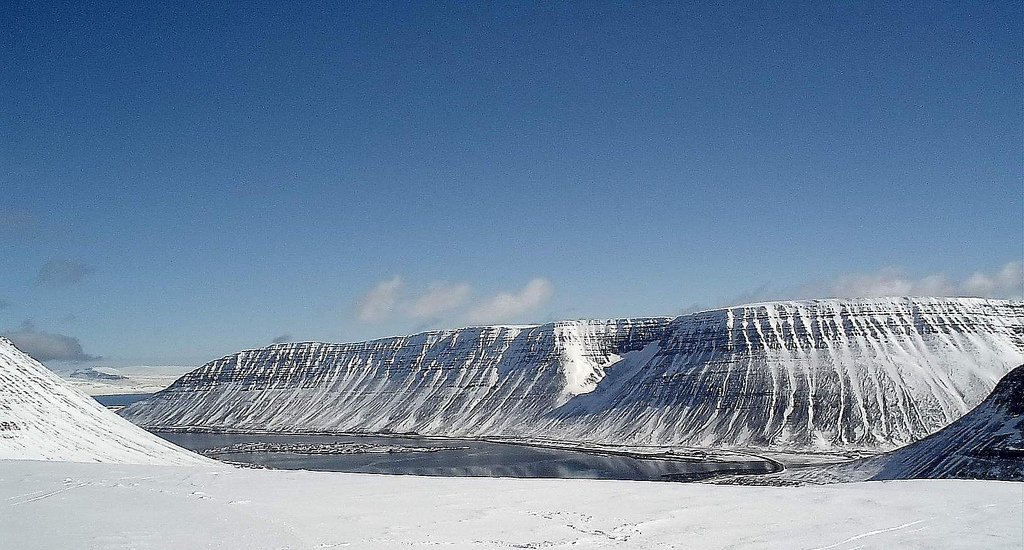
<point>458,458</point>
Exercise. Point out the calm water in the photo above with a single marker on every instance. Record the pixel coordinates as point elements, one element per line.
<point>120,399</point>
<point>472,458</point>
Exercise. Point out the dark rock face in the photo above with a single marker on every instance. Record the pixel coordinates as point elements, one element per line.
<point>824,374</point>
<point>1009,393</point>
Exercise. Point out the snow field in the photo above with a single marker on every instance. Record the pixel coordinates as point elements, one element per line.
<point>49,505</point>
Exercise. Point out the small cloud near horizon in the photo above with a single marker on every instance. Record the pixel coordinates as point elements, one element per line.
<point>377,303</point>
<point>281,339</point>
<point>438,298</point>
<point>443,302</point>
<point>48,346</point>
<point>62,272</point>
<point>508,305</point>
<point>1006,282</point>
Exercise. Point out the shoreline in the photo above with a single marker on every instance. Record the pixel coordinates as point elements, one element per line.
<point>666,453</point>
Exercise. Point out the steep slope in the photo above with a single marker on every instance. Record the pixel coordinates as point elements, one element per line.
<point>850,374</point>
<point>43,418</point>
<point>825,374</point>
<point>480,380</point>
<point>986,443</point>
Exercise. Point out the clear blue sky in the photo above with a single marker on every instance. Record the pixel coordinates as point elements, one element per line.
<point>178,183</point>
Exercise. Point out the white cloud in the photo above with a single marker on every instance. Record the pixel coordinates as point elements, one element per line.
<point>379,301</point>
<point>438,298</point>
<point>1008,282</point>
<point>388,299</point>
<point>507,305</point>
<point>890,281</point>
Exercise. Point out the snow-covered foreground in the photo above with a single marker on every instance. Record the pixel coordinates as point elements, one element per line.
<point>77,505</point>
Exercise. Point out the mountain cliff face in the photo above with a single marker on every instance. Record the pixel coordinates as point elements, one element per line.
<point>480,380</point>
<point>866,373</point>
<point>986,443</point>
<point>42,418</point>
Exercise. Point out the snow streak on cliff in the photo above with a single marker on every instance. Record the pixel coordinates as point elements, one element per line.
<point>866,373</point>
<point>481,380</point>
<point>43,418</point>
<point>986,443</point>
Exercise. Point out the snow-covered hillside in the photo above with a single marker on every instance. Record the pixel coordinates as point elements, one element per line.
<point>43,418</point>
<point>849,374</point>
<point>986,443</point>
<point>480,380</point>
<point>821,374</point>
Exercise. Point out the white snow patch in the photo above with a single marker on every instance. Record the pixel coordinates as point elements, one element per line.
<point>127,506</point>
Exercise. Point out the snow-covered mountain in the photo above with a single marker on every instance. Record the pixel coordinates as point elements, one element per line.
<point>480,380</point>
<point>44,418</point>
<point>123,380</point>
<point>865,373</point>
<point>103,374</point>
<point>986,443</point>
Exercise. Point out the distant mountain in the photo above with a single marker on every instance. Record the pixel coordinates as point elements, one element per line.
<point>43,418</point>
<point>870,374</point>
<point>97,373</point>
<point>138,379</point>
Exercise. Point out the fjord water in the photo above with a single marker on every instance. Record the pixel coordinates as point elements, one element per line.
<point>116,400</point>
<point>459,458</point>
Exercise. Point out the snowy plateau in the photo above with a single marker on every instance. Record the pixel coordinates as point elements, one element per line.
<point>864,374</point>
<point>53,505</point>
<point>123,380</point>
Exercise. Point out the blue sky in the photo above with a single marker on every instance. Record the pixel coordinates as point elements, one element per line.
<point>178,183</point>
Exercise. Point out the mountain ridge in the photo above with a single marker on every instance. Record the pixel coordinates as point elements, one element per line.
<point>872,373</point>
